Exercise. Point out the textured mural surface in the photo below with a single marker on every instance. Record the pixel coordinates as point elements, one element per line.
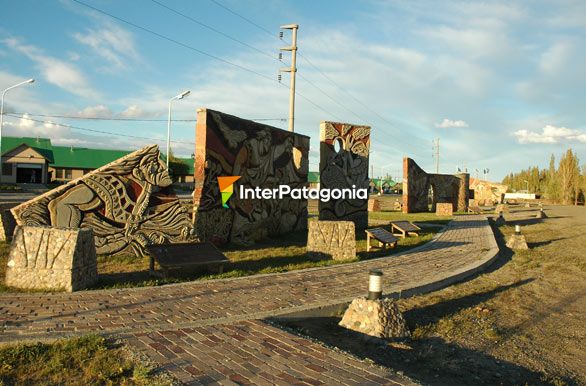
<point>126,203</point>
<point>344,150</point>
<point>262,156</point>
<point>422,191</point>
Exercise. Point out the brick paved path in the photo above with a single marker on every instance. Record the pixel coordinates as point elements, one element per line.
<point>224,314</point>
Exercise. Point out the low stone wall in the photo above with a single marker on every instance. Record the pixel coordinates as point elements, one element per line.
<point>444,209</point>
<point>333,239</point>
<point>43,257</point>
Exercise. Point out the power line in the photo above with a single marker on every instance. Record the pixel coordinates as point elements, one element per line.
<point>244,18</point>
<point>312,65</point>
<point>78,117</point>
<point>214,30</point>
<point>161,36</point>
<point>95,131</point>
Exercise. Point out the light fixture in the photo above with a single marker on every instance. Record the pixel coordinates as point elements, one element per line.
<point>375,284</point>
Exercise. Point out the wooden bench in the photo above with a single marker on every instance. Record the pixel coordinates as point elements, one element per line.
<point>404,228</point>
<point>185,256</point>
<point>384,237</point>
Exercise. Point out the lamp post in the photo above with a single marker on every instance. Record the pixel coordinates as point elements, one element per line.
<point>180,96</point>
<point>31,80</point>
<point>527,183</point>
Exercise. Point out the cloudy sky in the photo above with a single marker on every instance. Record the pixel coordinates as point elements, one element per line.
<point>501,84</point>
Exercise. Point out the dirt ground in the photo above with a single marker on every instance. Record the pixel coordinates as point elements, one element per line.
<point>522,322</point>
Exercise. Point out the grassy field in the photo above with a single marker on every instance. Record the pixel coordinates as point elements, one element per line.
<point>523,322</point>
<point>90,360</point>
<point>280,254</point>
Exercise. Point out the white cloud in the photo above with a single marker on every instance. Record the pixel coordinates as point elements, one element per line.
<point>56,71</point>
<point>447,123</point>
<point>135,111</point>
<point>98,111</point>
<point>555,58</point>
<point>550,135</point>
<point>111,42</point>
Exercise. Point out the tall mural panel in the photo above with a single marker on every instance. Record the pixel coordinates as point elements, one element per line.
<point>422,191</point>
<point>128,204</point>
<point>262,156</point>
<point>344,153</point>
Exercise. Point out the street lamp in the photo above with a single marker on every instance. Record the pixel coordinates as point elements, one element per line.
<point>527,183</point>
<point>31,80</point>
<point>180,96</point>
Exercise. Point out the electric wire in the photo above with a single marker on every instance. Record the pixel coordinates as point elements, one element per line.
<point>96,131</point>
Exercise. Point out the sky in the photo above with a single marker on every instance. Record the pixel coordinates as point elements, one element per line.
<point>501,84</point>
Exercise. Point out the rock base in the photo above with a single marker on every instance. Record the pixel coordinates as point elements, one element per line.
<point>378,318</point>
<point>541,214</point>
<point>517,242</point>
<point>50,258</point>
<point>332,240</point>
<point>501,208</point>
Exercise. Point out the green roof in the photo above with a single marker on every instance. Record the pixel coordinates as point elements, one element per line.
<point>84,158</point>
<point>384,181</point>
<point>190,164</point>
<point>74,157</point>
<point>313,177</point>
<point>41,145</point>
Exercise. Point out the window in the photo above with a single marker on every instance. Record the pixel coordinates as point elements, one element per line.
<point>7,169</point>
<point>59,173</point>
<point>67,174</point>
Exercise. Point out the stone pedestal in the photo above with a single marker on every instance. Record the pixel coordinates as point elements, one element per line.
<point>378,318</point>
<point>332,239</point>
<point>444,209</point>
<point>501,208</point>
<point>517,242</point>
<point>541,214</point>
<point>500,221</point>
<point>52,259</point>
<point>373,205</point>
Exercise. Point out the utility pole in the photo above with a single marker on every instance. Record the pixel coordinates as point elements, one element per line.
<point>436,154</point>
<point>292,70</point>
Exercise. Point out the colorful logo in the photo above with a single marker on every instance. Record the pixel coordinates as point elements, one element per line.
<point>227,188</point>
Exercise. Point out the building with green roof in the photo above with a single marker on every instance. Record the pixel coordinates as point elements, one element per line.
<point>36,160</point>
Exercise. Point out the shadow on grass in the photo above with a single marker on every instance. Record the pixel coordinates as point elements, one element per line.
<point>430,359</point>
<point>434,312</point>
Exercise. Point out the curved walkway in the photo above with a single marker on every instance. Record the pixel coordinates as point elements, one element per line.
<point>210,331</point>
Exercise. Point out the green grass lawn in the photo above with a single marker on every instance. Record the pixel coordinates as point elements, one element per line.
<point>278,254</point>
<point>89,360</point>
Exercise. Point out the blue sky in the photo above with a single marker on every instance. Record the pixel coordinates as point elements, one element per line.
<point>500,83</point>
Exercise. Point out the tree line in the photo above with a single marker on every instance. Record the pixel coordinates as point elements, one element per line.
<point>564,184</point>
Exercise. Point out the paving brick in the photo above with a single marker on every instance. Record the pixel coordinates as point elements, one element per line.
<point>207,332</point>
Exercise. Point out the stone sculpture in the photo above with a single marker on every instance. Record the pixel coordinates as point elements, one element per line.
<point>126,203</point>
<point>344,168</point>
<point>263,156</point>
<point>422,190</point>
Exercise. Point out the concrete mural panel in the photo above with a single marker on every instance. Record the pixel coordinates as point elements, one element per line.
<point>344,152</point>
<point>422,191</point>
<point>262,156</point>
<point>128,204</point>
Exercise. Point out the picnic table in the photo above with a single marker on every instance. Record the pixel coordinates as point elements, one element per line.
<point>185,256</point>
<point>381,235</point>
<point>404,228</point>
